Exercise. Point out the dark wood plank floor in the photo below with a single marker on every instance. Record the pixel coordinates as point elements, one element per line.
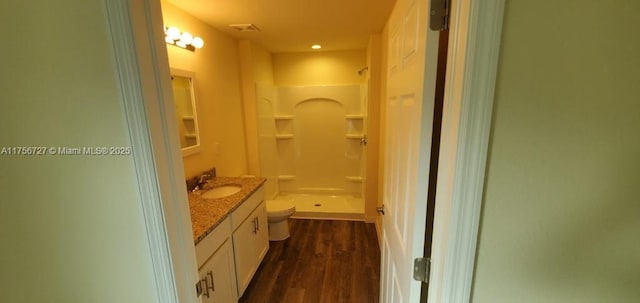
<point>322,261</point>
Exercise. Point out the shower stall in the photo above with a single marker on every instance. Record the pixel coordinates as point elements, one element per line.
<point>312,143</point>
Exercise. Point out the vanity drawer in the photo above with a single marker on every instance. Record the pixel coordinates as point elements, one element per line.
<point>213,241</point>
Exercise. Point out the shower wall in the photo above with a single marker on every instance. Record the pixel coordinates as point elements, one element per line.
<point>268,152</point>
<point>318,132</point>
<point>296,153</point>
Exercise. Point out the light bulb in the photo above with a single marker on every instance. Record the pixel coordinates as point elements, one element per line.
<point>169,40</point>
<point>181,44</point>
<point>186,38</point>
<point>197,42</point>
<point>173,33</point>
<point>316,46</point>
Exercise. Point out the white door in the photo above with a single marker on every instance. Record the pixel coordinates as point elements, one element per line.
<point>411,58</point>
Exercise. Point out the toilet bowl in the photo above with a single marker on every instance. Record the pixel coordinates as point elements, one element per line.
<point>278,213</point>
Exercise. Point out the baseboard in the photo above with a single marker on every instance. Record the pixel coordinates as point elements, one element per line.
<point>370,219</point>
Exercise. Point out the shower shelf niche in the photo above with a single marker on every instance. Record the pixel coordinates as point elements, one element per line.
<point>354,117</point>
<point>354,136</point>
<point>283,117</point>
<point>355,179</point>
<point>284,136</point>
<point>284,126</point>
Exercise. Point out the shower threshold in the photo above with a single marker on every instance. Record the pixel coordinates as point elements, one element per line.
<point>326,207</point>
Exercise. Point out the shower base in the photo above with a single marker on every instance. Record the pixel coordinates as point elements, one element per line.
<point>331,207</point>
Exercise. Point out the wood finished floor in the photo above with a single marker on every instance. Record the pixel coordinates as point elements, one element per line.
<point>322,262</point>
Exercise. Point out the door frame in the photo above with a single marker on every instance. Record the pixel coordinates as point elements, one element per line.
<point>474,46</point>
<point>140,63</point>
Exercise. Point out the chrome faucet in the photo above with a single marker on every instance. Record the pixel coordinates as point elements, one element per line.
<point>201,182</point>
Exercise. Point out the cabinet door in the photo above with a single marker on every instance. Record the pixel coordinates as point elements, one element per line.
<point>262,236</point>
<point>244,246</point>
<point>218,276</point>
<point>251,243</point>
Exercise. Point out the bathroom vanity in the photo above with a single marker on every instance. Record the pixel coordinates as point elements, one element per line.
<point>231,236</point>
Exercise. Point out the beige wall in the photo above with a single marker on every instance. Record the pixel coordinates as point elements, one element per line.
<point>218,95</point>
<point>257,70</point>
<point>256,67</point>
<point>262,65</point>
<point>71,227</point>
<point>321,68</point>
<point>560,220</point>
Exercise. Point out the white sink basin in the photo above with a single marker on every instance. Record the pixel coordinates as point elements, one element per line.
<point>221,191</point>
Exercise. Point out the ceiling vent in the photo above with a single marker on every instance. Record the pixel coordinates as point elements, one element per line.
<point>245,27</point>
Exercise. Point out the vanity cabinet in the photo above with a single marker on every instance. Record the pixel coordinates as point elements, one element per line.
<point>216,266</point>
<point>229,256</point>
<point>250,238</point>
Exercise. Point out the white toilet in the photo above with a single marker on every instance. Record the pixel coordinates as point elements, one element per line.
<point>278,213</point>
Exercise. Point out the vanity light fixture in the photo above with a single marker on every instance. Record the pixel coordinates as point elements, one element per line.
<point>184,40</point>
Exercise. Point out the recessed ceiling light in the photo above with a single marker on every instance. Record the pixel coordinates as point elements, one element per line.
<point>316,46</point>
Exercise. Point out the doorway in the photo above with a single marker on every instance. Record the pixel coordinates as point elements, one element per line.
<point>461,244</point>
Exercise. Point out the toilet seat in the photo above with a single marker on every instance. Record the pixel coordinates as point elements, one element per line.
<point>280,207</point>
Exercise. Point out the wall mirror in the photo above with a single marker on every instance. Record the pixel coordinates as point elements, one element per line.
<point>186,110</point>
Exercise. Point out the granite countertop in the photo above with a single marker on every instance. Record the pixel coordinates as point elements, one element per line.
<point>206,214</point>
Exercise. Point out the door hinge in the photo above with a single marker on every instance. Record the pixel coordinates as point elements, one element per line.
<point>421,268</point>
<point>440,11</point>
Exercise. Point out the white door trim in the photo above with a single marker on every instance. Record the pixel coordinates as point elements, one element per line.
<point>476,28</point>
<point>142,73</point>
